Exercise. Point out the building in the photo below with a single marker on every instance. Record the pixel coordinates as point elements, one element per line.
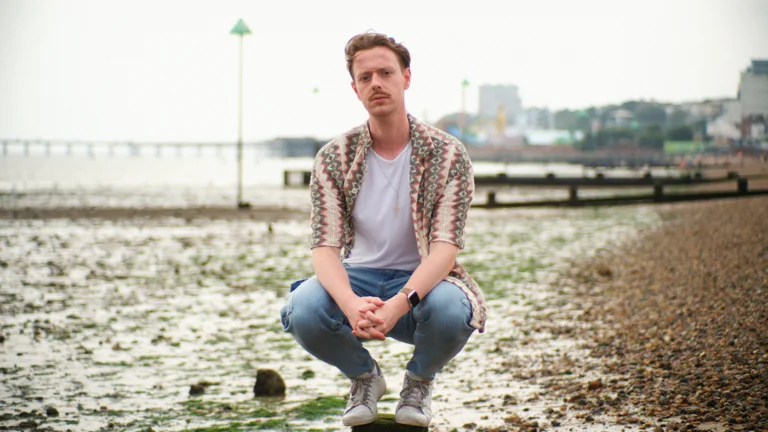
<point>753,89</point>
<point>491,97</point>
<point>537,118</point>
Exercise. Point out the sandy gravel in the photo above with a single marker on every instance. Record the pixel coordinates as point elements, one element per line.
<point>679,321</point>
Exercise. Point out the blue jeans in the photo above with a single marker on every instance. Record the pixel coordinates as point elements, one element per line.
<point>438,327</point>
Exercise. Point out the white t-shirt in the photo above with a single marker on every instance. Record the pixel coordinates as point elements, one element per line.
<point>384,234</point>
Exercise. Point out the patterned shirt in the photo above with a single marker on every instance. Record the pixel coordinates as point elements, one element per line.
<point>441,184</point>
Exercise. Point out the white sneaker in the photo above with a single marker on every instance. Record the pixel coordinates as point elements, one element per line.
<point>415,406</point>
<point>365,392</point>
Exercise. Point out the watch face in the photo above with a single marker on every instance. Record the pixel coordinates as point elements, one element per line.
<point>413,299</point>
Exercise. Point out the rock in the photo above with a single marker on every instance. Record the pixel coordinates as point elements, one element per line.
<point>268,383</point>
<point>386,423</point>
<point>196,389</point>
<point>28,424</point>
<point>514,418</point>
<point>51,412</point>
<point>509,400</point>
<point>595,385</point>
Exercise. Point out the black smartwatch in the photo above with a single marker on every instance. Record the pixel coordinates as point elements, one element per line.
<point>412,296</point>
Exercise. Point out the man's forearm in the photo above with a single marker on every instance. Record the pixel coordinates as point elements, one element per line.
<point>332,275</point>
<point>432,271</point>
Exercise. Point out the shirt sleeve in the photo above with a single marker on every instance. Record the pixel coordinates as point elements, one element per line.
<point>326,217</point>
<point>450,214</point>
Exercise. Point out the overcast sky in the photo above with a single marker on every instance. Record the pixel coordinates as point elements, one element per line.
<point>167,70</point>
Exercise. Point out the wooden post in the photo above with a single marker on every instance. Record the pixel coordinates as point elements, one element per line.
<point>742,185</point>
<point>386,423</point>
<point>658,192</point>
<point>491,202</point>
<point>573,193</point>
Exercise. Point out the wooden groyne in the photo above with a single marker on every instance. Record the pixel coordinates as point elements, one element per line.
<point>490,186</point>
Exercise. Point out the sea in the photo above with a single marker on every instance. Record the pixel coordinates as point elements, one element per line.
<point>165,176</point>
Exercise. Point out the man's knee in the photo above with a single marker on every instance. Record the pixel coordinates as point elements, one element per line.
<point>448,306</point>
<point>309,310</point>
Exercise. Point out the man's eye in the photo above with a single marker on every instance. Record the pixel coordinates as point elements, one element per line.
<point>364,78</point>
<point>386,73</point>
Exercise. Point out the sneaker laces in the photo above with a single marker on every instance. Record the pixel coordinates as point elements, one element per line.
<point>414,392</point>
<point>360,393</point>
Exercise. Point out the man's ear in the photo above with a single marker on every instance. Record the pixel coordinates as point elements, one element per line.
<point>407,74</point>
<point>354,87</point>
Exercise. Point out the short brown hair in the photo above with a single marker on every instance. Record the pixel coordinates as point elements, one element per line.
<point>368,40</point>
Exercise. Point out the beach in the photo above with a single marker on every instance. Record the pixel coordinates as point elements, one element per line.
<point>109,319</point>
<point>679,318</point>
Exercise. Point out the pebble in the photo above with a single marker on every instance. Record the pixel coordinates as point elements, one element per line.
<point>684,316</point>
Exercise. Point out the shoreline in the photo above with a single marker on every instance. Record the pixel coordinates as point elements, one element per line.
<point>260,213</point>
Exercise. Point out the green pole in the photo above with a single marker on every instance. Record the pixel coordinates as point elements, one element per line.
<point>240,29</point>
<point>240,132</point>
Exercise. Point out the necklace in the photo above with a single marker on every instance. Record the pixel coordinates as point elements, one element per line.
<point>397,194</point>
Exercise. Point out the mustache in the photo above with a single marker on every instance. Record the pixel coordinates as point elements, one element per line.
<point>379,94</point>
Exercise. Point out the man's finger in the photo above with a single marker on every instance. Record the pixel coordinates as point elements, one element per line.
<point>368,308</point>
<point>375,334</point>
<point>374,300</point>
<point>372,317</point>
<point>361,334</point>
<point>364,324</point>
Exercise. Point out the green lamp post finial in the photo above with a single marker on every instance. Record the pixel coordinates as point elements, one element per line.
<point>240,28</point>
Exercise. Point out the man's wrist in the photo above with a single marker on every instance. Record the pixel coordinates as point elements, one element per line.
<point>348,302</point>
<point>411,297</point>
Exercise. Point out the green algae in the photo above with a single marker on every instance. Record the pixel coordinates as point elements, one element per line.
<point>320,407</point>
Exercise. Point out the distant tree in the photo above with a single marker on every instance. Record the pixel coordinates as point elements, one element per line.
<point>680,133</point>
<point>606,112</point>
<point>588,143</point>
<point>613,136</point>
<point>630,105</point>
<point>651,113</point>
<point>652,137</point>
<point>566,120</point>
<point>677,118</point>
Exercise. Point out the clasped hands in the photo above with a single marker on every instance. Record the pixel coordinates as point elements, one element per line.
<point>373,318</point>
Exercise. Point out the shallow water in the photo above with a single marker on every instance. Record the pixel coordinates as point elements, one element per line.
<point>210,180</point>
<point>111,322</point>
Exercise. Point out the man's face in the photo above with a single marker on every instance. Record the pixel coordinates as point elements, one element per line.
<point>379,81</point>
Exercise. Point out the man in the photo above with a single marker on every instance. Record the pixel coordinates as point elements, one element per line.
<point>393,194</point>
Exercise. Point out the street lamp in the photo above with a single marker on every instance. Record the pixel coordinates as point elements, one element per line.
<point>240,29</point>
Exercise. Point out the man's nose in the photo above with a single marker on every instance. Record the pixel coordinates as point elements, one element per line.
<point>375,81</point>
